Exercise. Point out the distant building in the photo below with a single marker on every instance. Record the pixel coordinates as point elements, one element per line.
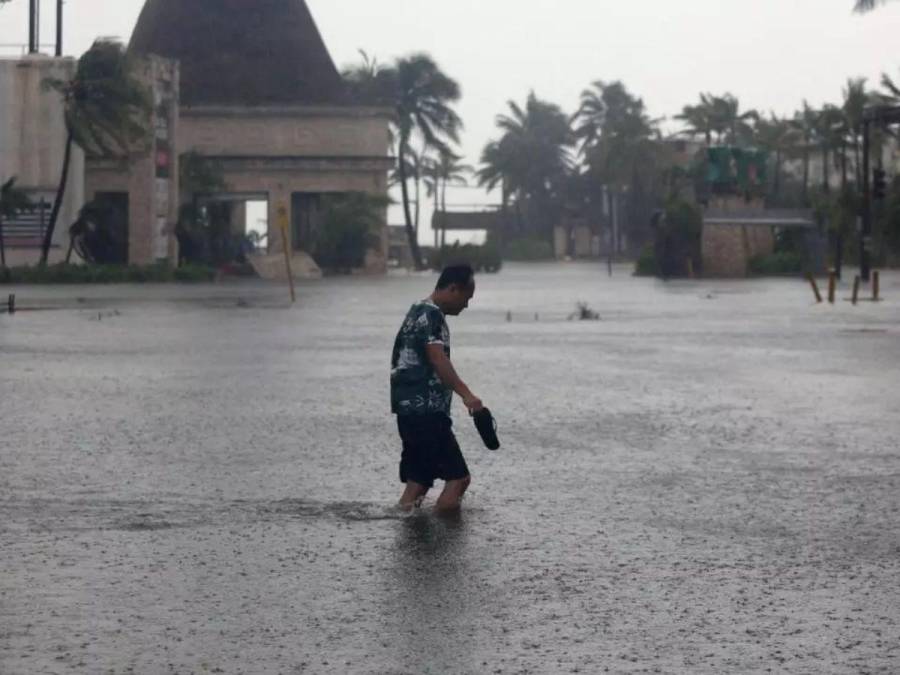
<point>399,253</point>
<point>248,85</point>
<point>735,232</point>
<point>32,145</point>
<point>260,95</point>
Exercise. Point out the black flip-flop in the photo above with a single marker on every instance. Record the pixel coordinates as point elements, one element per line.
<point>487,428</point>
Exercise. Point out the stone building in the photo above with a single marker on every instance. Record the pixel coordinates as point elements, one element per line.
<point>142,189</point>
<point>735,231</point>
<point>260,96</point>
<point>246,84</point>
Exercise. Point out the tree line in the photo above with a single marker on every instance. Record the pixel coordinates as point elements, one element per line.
<point>610,155</point>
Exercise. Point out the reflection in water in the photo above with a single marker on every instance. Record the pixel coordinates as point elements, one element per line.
<point>428,588</point>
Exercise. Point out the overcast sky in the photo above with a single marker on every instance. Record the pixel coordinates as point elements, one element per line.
<point>771,54</point>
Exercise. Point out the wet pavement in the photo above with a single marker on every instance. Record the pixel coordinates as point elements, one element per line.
<point>200,480</point>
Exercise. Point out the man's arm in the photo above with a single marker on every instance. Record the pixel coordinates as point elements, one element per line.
<point>447,373</point>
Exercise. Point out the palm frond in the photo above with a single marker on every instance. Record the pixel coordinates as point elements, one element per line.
<point>863,6</point>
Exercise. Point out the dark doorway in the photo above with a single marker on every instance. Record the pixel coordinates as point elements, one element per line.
<point>111,209</point>
<point>306,214</point>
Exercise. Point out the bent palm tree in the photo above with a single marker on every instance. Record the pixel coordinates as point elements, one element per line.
<point>536,147</point>
<point>700,118</point>
<point>498,165</point>
<point>620,145</point>
<point>446,170</point>
<point>424,96</point>
<point>863,6</point>
<point>106,113</point>
<point>734,125</point>
<point>891,93</point>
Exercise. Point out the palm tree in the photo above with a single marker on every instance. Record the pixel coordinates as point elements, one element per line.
<point>440,173</point>
<point>370,82</point>
<point>780,137</point>
<point>891,93</point>
<point>830,133</point>
<point>531,159</point>
<point>416,169</point>
<point>805,122</point>
<point>863,6</point>
<point>12,201</point>
<point>498,165</point>
<point>424,95</point>
<point>699,118</point>
<point>856,98</point>
<point>106,113</point>
<point>619,142</point>
<point>735,126</point>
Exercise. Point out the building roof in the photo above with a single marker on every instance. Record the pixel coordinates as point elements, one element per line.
<point>241,52</point>
<point>804,218</point>
<point>467,220</point>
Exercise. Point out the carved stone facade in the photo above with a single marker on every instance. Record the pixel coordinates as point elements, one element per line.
<point>728,248</point>
<point>262,99</point>
<point>281,154</point>
<point>149,177</point>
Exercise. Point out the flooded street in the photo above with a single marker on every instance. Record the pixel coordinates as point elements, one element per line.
<point>201,479</point>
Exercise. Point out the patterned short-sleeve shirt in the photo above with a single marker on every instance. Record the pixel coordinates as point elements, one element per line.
<point>415,387</point>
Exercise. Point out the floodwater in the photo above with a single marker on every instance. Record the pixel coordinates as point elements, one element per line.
<point>200,480</point>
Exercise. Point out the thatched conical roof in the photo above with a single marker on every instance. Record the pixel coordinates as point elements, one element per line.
<point>241,52</point>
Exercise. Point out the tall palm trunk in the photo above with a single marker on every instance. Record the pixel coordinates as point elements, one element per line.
<point>520,221</point>
<point>843,166</point>
<point>57,205</point>
<point>825,187</point>
<point>444,211</point>
<point>776,188</point>
<point>417,212</point>
<point>410,232</point>
<point>613,223</point>
<point>806,174</point>
<point>436,211</point>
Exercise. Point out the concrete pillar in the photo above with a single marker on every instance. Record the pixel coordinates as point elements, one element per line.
<point>239,217</point>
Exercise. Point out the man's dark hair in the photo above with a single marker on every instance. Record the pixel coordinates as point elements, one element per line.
<point>461,275</point>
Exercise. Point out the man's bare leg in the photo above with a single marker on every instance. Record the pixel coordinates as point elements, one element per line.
<point>451,497</point>
<point>412,496</point>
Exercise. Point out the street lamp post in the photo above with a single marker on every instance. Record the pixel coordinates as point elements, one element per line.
<point>34,26</point>
<point>59,28</point>
<point>865,234</point>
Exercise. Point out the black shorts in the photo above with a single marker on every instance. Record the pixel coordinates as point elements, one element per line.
<point>430,450</point>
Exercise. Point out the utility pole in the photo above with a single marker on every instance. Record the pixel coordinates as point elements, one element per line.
<point>59,28</point>
<point>865,235</point>
<point>34,26</point>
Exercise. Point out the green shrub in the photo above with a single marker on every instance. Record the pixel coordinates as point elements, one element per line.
<point>528,249</point>
<point>776,264</point>
<point>646,265</point>
<point>194,274</point>
<point>349,222</point>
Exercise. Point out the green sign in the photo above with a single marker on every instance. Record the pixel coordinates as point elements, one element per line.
<point>736,170</point>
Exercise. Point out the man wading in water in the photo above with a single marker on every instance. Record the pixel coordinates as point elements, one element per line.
<point>422,384</point>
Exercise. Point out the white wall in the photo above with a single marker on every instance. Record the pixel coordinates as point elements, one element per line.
<point>32,141</point>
